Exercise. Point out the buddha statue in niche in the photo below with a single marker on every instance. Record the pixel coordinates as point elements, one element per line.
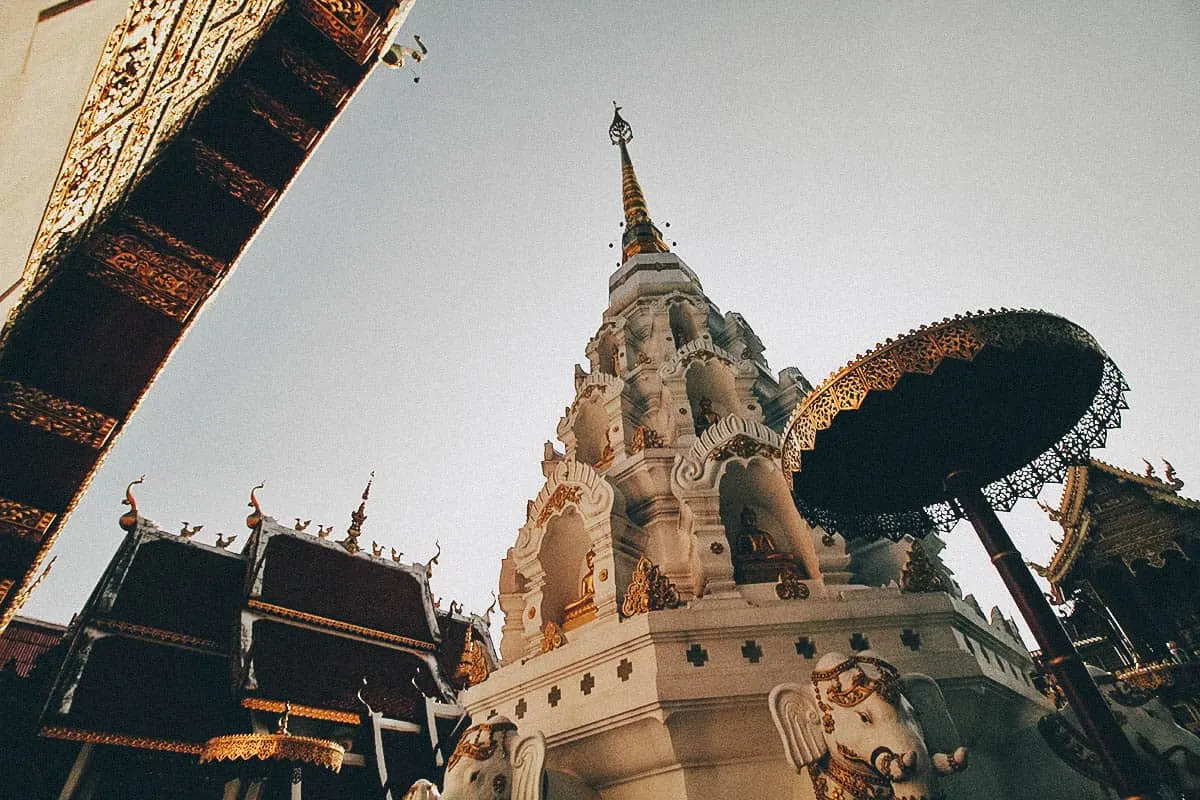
<point>705,418</point>
<point>582,609</point>
<point>756,557</point>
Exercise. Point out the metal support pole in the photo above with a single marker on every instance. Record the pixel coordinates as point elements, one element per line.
<point>1058,653</point>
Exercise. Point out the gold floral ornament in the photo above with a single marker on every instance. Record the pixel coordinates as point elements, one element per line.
<point>278,746</point>
<point>472,666</point>
<point>861,685</point>
<point>552,637</point>
<point>790,586</point>
<point>645,437</point>
<point>480,741</point>
<point>649,590</point>
<point>919,574</point>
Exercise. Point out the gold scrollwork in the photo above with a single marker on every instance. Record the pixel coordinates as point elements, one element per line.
<point>742,446</point>
<point>279,117</point>
<point>162,61</point>
<point>790,586</point>
<point>645,437</point>
<point>473,666</point>
<point>921,351</point>
<point>54,414</point>
<point>274,747</point>
<point>313,75</point>
<point>338,625</point>
<point>564,494</point>
<point>26,522</point>
<point>232,179</point>
<point>134,268</point>
<point>121,740</point>
<point>350,24</point>
<point>296,710</point>
<point>919,574</point>
<point>157,634</point>
<point>552,637</point>
<point>648,590</point>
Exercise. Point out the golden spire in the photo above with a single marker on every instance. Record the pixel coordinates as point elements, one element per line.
<point>641,236</point>
<point>357,518</point>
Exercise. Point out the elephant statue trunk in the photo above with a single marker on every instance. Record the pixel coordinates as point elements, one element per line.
<point>864,731</point>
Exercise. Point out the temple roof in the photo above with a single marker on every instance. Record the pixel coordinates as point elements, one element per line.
<point>1140,516</point>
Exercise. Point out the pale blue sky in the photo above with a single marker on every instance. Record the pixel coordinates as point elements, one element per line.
<point>836,172</point>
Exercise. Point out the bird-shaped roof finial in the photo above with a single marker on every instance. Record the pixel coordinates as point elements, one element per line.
<point>129,519</point>
<point>255,518</point>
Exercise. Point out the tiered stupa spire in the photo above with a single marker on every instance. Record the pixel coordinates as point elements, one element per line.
<point>641,235</point>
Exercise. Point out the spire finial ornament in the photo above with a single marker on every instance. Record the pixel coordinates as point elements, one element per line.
<point>641,235</point>
<point>129,519</point>
<point>357,518</point>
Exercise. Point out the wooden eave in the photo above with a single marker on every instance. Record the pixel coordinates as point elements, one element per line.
<point>1079,512</point>
<point>90,336</point>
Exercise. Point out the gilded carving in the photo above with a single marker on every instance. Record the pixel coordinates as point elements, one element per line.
<point>564,494</point>
<point>26,522</point>
<point>274,747</point>
<point>643,437</point>
<point>158,65</point>
<point>480,741</point>
<point>790,586</point>
<point>338,625</point>
<point>648,590</point>
<point>314,76</point>
<point>280,118</point>
<point>742,446</point>
<point>138,270</point>
<point>552,637</point>
<point>473,666</point>
<point>350,24</point>
<point>157,634</point>
<point>919,573</point>
<point>921,351</point>
<point>310,712</point>
<point>119,739</point>
<point>231,178</point>
<point>55,415</point>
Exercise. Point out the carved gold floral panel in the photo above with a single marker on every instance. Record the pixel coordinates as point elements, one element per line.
<point>158,67</point>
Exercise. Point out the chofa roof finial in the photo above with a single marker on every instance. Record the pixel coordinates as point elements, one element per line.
<point>129,519</point>
<point>255,518</point>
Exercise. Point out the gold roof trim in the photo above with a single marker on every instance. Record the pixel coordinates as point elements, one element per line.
<point>339,625</point>
<point>157,634</point>
<point>1075,519</point>
<point>120,739</point>
<point>310,712</point>
<point>274,747</point>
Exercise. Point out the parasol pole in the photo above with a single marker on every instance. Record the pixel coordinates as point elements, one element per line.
<point>1058,652</point>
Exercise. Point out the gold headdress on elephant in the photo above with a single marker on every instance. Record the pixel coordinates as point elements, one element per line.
<point>861,685</point>
<point>480,741</point>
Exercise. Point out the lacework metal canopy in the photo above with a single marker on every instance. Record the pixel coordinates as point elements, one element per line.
<point>1013,397</point>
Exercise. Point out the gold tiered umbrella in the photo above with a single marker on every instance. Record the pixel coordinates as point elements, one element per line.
<point>958,419</point>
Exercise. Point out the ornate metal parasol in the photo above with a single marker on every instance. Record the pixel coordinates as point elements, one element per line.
<point>957,419</point>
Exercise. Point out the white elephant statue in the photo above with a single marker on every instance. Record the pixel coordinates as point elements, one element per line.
<point>859,729</point>
<point>494,762</point>
<point>1169,752</point>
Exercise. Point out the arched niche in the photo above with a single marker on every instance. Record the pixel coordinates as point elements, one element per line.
<point>592,444</point>
<point>608,359</point>
<point>759,486</point>
<point>683,324</point>
<point>563,557</point>
<point>710,379</point>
